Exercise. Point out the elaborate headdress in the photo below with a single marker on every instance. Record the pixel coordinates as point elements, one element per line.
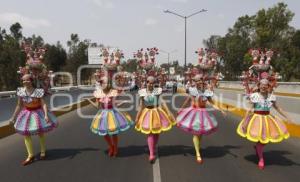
<point>162,76</point>
<point>112,69</point>
<point>146,60</point>
<point>259,71</point>
<point>207,61</point>
<point>112,60</point>
<point>123,79</point>
<point>35,67</point>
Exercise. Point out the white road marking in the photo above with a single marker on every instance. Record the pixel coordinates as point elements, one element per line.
<point>156,169</point>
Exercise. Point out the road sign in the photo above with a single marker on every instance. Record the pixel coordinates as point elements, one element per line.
<point>94,55</point>
<point>172,70</point>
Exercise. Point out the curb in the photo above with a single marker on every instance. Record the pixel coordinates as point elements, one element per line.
<point>276,93</point>
<point>9,129</point>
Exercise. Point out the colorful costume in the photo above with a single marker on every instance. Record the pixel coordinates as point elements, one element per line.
<point>262,126</point>
<point>153,118</point>
<point>109,121</point>
<point>31,120</point>
<point>195,119</point>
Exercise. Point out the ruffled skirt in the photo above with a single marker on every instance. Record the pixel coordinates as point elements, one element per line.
<point>32,122</point>
<point>263,129</point>
<point>196,121</point>
<point>155,120</point>
<point>110,122</point>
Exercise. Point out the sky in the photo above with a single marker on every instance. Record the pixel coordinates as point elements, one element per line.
<point>133,24</point>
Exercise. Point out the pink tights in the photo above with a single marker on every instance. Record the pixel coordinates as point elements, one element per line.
<point>152,140</point>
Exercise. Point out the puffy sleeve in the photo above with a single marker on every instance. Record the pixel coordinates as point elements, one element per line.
<point>193,91</point>
<point>272,98</point>
<point>21,92</point>
<point>157,91</point>
<point>208,93</point>
<point>114,93</point>
<point>254,98</point>
<point>98,94</point>
<point>38,93</point>
<point>142,92</point>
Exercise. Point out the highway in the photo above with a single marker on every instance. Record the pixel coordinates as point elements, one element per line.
<point>75,154</point>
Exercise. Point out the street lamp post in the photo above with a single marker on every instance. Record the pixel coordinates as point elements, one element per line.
<point>168,53</point>
<point>185,19</point>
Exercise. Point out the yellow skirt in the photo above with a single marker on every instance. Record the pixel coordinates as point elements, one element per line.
<point>154,121</point>
<point>181,90</point>
<point>263,129</point>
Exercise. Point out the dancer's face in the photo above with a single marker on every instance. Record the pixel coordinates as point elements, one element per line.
<point>263,87</point>
<point>27,82</point>
<point>104,83</point>
<point>150,84</point>
<point>200,84</point>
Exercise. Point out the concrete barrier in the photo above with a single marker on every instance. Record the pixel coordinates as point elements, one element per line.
<point>291,89</point>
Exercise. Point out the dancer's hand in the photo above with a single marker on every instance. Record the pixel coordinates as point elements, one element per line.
<point>12,121</point>
<point>47,119</point>
<point>288,120</point>
<point>223,113</point>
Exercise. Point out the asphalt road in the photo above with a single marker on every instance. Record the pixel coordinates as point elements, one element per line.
<point>76,154</point>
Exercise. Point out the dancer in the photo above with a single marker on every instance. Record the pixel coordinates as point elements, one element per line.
<point>153,116</point>
<point>196,119</point>
<point>109,121</point>
<point>31,116</point>
<point>259,125</point>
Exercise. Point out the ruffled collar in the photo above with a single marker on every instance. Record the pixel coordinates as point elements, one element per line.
<point>143,92</point>
<point>193,91</point>
<point>258,98</point>
<point>37,92</point>
<point>99,93</point>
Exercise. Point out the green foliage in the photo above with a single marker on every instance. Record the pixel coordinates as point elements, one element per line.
<point>266,29</point>
<point>12,56</point>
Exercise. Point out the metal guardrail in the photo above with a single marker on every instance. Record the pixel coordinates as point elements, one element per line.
<point>279,83</point>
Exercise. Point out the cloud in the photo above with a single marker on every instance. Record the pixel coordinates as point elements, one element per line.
<point>10,18</point>
<point>221,16</point>
<point>180,1</point>
<point>159,6</point>
<point>179,29</point>
<point>107,4</point>
<point>150,21</point>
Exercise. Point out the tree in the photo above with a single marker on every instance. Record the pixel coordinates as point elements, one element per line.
<point>55,57</point>
<point>77,56</point>
<point>16,31</point>
<point>266,29</point>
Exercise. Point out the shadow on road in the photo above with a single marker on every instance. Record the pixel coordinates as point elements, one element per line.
<point>208,152</point>
<point>132,150</point>
<point>275,157</point>
<point>54,154</point>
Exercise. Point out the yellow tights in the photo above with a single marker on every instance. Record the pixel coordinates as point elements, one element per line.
<point>29,147</point>
<point>196,141</point>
